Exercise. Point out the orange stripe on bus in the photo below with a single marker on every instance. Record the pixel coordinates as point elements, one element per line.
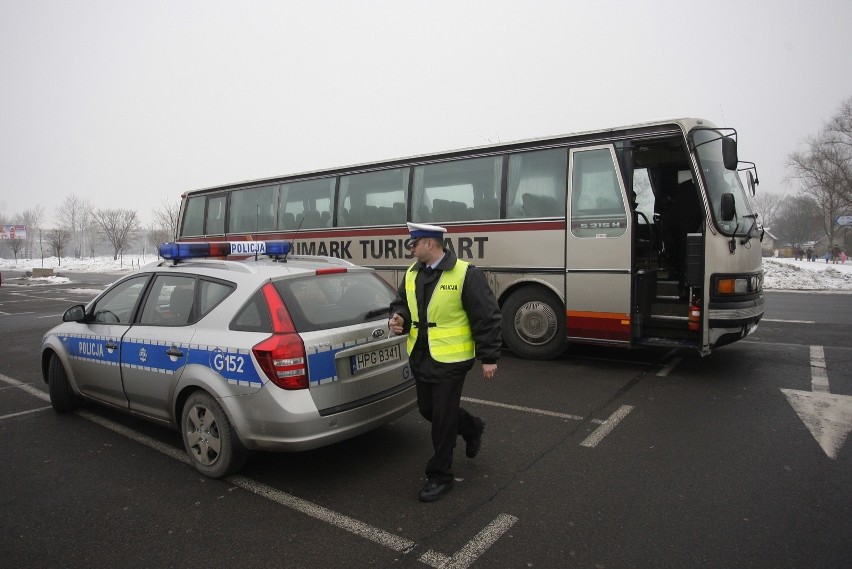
<point>606,315</point>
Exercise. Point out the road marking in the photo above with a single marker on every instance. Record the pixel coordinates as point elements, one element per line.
<point>598,434</point>
<point>669,368</point>
<point>25,387</point>
<point>788,321</point>
<point>462,559</point>
<point>318,512</point>
<point>473,549</point>
<point>819,375</point>
<point>9,416</point>
<point>529,410</point>
<point>828,417</point>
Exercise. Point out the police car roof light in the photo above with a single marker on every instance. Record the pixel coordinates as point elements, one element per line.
<point>183,250</point>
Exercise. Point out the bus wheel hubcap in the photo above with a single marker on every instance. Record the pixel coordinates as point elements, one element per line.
<point>535,323</point>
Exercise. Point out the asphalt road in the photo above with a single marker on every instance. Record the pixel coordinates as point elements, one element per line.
<point>601,458</point>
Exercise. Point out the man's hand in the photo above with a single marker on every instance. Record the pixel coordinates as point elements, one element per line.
<point>488,370</point>
<point>396,324</point>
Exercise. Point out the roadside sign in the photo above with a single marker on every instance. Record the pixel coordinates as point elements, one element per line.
<point>844,220</point>
<point>13,231</point>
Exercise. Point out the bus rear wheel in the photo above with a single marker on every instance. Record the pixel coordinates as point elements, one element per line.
<point>534,324</point>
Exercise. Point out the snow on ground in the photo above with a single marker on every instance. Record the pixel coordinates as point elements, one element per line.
<point>779,274</point>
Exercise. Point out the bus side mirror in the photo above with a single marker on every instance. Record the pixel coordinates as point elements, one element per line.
<point>729,153</point>
<point>729,208</point>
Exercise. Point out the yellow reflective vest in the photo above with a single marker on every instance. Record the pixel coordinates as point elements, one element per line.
<point>450,337</point>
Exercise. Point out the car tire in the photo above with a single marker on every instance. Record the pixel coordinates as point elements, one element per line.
<point>534,323</point>
<point>62,397</point>
<point>209,438</point>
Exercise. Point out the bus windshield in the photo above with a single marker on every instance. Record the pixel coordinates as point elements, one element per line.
<point>719,180</point>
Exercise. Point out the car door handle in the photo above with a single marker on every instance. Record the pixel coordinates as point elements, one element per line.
<point>110,345</point>
<point>174,351</point>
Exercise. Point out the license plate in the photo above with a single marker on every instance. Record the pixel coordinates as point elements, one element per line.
<point>374,358</point>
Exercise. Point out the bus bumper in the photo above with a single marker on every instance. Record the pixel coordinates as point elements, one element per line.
<point>732,321</point>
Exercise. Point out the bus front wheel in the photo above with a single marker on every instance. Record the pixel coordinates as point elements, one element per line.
<point>534,324</point>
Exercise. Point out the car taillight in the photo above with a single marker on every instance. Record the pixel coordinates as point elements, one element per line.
<point>282,356</point>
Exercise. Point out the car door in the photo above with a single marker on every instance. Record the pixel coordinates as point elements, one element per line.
<point>95,349</point>
<point>154,351</point>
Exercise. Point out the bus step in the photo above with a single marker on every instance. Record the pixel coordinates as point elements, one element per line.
<point>667,342</point>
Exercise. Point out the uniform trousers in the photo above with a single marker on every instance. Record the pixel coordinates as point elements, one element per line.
<point>440,404</point>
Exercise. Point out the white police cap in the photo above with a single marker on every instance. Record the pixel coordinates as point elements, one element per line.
<point>420,230</point>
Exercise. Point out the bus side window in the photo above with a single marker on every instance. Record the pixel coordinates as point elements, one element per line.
<point>253,209</point>
<point>597,208</point>
<point>457,190</point>
<point>306,205</point>
<point>537,183</point>
<point>371,198</point>
<point>193,217</point>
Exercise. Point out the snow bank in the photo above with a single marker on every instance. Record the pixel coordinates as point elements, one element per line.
<point>779,274</point>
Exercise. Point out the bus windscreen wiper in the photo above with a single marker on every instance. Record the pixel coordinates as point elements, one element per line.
<point>747,238</point>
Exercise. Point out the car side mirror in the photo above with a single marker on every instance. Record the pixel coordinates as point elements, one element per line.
<point>75,314</point>
<point>728,207</point>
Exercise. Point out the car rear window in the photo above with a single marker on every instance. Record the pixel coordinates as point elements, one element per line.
<point>319,302</point>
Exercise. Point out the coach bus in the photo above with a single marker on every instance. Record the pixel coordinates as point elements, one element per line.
<point>634,236</point>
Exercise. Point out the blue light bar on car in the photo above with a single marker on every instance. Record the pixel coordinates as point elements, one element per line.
<point>178,251</point>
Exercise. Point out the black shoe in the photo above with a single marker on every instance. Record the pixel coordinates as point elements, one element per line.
<point>434,491</point>
<point>473,445</point>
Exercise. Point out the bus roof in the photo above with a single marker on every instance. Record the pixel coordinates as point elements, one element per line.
<point>682,124</point>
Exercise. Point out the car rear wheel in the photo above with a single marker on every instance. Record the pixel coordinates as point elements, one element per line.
<point>209,438</point>
<point>62,397</point>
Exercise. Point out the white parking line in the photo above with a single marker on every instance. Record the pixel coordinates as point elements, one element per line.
<point>819,375</point>
<point>474,548</point>
<point>669,368</point>
<point>529,410</point>
<point>598,434</point>
<point>10,415</point>
<point>788,321</point>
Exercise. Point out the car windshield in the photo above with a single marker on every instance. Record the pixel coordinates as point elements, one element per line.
<point>335,300</point>
<point>718,180</point>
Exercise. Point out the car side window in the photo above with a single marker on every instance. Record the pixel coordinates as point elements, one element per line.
<point>212,293</point>
<point>119,304</point>
<point>170,302</point>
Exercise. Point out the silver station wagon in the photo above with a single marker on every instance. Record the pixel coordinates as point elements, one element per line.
<point>271,353</point>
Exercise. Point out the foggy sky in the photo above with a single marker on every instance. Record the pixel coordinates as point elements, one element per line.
<point>130,103</point>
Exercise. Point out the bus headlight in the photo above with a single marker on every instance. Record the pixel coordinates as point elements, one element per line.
<point>738,285</point>
<point>731,286</point>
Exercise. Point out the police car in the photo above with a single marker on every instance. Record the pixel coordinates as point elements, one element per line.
<point>266,353</point>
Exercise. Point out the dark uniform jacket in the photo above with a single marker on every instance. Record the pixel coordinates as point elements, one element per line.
<point>482,311</point>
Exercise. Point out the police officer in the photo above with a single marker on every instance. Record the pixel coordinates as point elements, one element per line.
<point>452,317</point>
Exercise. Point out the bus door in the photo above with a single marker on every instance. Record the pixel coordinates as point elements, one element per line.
<point>597,249</point>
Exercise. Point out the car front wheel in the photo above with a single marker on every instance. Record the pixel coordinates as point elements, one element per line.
<point>62,397</point>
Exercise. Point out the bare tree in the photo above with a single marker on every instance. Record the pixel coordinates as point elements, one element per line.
<point>166,217</point>
<point>119,226</point>
<point>838,136</point>
<point>15,245</point>
<point>156,237</point>
<point>767,205</point>
<point>32,219</point>
<point>57,240</point>
<point>799,220</point>
<point>824,167</point>
<point>71,216</point>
